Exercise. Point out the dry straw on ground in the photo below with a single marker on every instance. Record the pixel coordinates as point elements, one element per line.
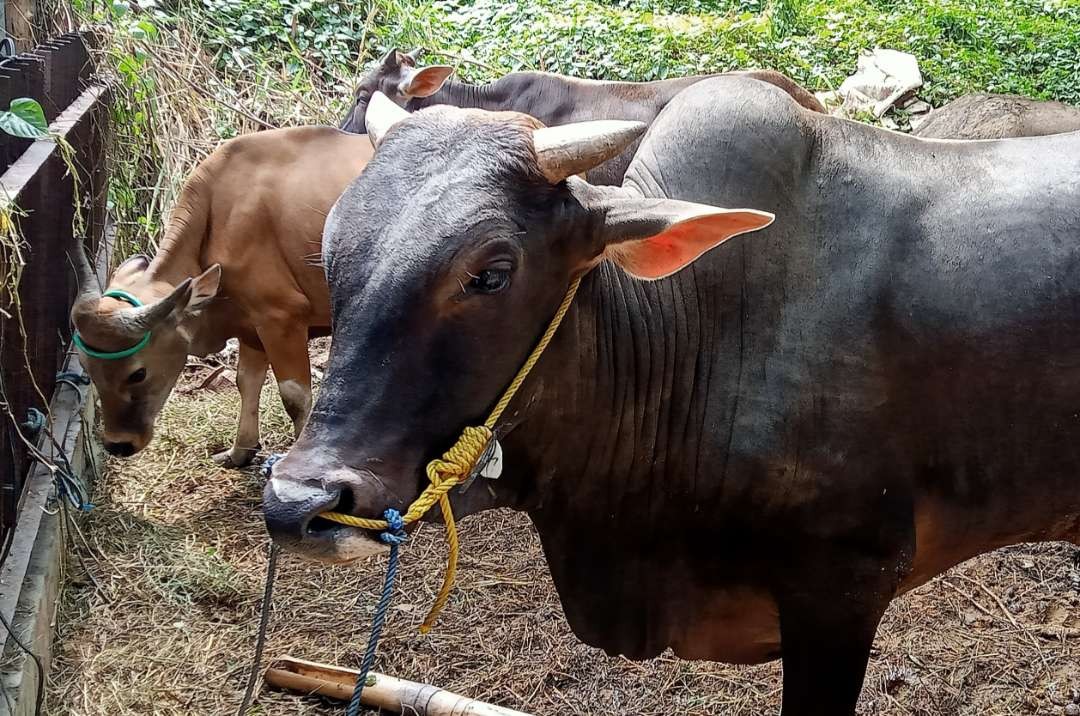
<point>163,622</point>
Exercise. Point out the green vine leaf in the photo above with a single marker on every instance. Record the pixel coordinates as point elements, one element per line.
<point>24,119</point>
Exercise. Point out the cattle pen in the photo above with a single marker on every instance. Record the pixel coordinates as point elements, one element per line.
<point>53,196</point>
<point>135,585</point>
<point>178,556</point>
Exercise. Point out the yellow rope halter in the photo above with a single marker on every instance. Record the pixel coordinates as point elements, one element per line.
<point>458,463</point>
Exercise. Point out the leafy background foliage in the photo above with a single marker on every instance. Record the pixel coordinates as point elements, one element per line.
<point>1024,46</point>
<point>194,72</point>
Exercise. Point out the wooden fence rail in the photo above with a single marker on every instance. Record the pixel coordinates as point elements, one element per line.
<point>43,195</point>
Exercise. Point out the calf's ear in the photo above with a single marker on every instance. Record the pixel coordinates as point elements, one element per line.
<point>654,238</point>
<point>424,81</point>
<point>130,267</point>
<point>204,288</point>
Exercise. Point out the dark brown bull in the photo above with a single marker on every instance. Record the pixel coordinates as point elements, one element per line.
<point>997,116</point>
<point>747,459</point>
<point>553,99</point>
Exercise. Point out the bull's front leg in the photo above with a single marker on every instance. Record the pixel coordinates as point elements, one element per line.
<point>286,344</point>
<point>828,617</point>
<point>250,376</point>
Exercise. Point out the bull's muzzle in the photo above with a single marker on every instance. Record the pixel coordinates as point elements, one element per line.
<point>293,501</point>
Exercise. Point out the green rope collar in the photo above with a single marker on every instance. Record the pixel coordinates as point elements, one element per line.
<point>113,355</point>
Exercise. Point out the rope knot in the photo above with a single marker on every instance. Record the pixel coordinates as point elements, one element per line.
<point>35,421</point>
<point>394,534</point>
<point>268,464</point>
<point>458,462</point>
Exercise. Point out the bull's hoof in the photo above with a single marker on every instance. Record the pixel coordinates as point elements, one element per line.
<point>235,458</point>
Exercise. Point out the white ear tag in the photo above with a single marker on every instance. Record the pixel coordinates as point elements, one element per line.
<point>494,466</point>
<point>488,466</point>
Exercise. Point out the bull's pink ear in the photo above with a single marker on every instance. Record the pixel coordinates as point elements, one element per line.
<point>425,81</point>
<point>654,238</point>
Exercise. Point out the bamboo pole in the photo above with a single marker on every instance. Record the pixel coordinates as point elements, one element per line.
<point>382,691</point>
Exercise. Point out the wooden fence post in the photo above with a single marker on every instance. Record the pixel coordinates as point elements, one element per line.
<point>21,20</point>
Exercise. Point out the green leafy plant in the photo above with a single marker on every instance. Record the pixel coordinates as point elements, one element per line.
<point>191,73</point>
<point>24,119</point>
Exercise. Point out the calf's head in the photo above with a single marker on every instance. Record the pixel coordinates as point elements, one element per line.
<point>134,349</point>
<point>446,261</point>
<point>398,77</point>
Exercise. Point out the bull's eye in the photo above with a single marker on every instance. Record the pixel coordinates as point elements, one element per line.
<point>491,280</point>
<point>137,377</point>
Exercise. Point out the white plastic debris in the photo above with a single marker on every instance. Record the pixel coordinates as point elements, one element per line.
<point>882,78</point>
<point>229,354</point>
<point>917,106</point>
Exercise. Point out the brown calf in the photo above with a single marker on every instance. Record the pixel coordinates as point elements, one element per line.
<point>240,258</point>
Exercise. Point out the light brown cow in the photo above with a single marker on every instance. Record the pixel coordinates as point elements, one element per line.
<point>240,258</point>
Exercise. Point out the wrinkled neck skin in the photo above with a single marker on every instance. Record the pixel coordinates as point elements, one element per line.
<point>606,383</point>
<point>493,96</point>
<point>612,452</point>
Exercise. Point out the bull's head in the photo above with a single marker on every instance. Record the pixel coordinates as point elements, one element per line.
<point>397,77</point>
<point>134,348</point>
<point>446,260</point>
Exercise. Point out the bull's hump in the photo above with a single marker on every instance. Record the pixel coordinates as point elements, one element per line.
<point>744,135</point>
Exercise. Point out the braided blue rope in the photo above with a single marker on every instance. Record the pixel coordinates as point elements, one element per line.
<point>35,421</point>
<point>268,464</point>
<point>73,378</point>
<point>395,537</point>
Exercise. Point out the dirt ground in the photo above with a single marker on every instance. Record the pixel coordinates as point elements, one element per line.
<point>160,610</point>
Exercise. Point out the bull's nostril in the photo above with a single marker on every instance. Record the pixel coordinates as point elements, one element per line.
<point>318,526</point>
<point>343,504</point>
<point>294,500</point>
<point>124,449</point>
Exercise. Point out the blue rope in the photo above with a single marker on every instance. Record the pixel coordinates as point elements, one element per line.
<point>395,537</point>
<point>35,421</point>
<point>68,485</point>
<point>72,378</point>
<point>268,464</point>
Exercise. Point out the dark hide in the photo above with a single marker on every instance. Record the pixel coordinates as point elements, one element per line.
<point>748,459</point>
<point>553,99</point>
<point>996,116</point>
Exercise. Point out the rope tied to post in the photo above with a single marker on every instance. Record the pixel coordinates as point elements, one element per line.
<point>394,535</point>
<point>457,465</point>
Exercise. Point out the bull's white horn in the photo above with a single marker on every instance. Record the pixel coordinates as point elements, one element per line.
<point>382,114</point>
<point>576,148</point>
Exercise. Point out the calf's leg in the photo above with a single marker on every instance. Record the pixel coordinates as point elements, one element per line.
<point>287,346</point>
<point>250,376</point>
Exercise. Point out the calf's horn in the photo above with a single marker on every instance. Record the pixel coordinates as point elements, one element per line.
<point>382,114</point>
<point>144,318</point>
<point>575,148</point>
<point>86,279</point>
